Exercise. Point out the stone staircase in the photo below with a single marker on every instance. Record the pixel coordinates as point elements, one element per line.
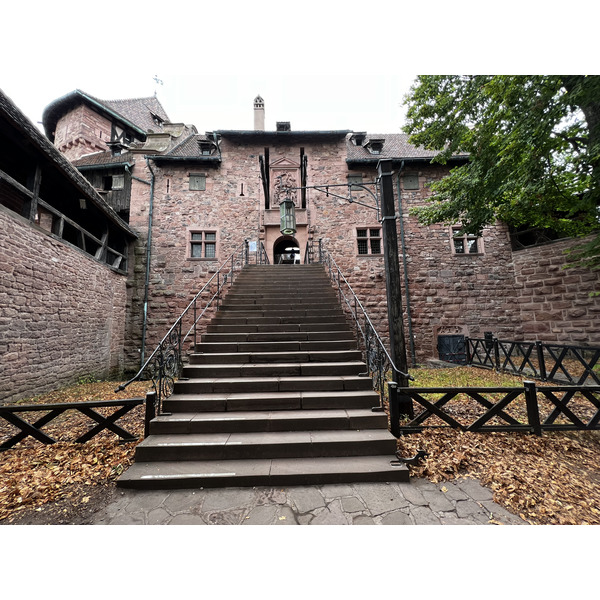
<point>272,396</point>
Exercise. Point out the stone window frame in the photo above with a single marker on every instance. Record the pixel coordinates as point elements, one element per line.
<point>372,241</point>
<point>200,179</point>
<point>466,241</point>
<point>197,238</point>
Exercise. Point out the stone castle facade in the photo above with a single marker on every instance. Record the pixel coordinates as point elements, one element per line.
<point>199,196</point>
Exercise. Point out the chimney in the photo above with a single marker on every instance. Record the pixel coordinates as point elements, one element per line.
<point>259,114</point>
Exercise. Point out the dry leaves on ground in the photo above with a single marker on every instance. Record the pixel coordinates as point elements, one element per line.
<point>548,479</point>
<point>34,477</point>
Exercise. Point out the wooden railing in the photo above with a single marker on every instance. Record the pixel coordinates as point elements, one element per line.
<point>529,408</point>
<point>52,411</point>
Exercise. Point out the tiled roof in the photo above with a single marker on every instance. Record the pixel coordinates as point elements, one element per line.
<point>139,111</point>
<point>395,145</point>
<point>41,144</point>
<point>103,158</point>
<point>189,146</point>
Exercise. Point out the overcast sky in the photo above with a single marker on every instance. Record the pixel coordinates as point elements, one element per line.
<point>318,64</point>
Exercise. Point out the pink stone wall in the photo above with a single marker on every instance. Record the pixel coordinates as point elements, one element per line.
<point>81,131</point>
<point>555,303</point>
<point>62,314</point>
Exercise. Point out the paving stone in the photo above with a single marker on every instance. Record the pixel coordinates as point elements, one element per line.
<point>422,484</point>
<point>223,499</point>
<point>306,498</point>
<point>437,501</point>
<point>149,500</point>
<point>453,492</point>
<point>228,517</point>
<point>336,490</point>
<point>182,500</point>
<point>331,515</point>
<point>381,498</point>
<point>158,516</point>
<point>423,515</point>
<point>352,504</point>
<point>186,519</point>
<point>474,489</point>
<point>271,496</point>
<point>467,508</point>
<point>412,494</point>
<point>501,514</point>
<point>128,519</point>
<point>261,515</point>
<point>396,518</point>
<point>285,516</point>
<point>362,520</point>
<point>451,518</point>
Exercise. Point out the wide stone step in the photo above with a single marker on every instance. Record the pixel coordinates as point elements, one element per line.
<point>263,472</point>
<point>275,357</point>
<point>253,319</point>
<point>276,346</point>
<point>217,385</point>
<point>191,401</point>
<point>272,444</point>
<point>277,336</point>
<point>268,420</point>
<point>286,327</point>
<point>282,369</point>
<point>298,313</point>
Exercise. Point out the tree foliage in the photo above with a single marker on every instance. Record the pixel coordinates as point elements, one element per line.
<point>534,152</point>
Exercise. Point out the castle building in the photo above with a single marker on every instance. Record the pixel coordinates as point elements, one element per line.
<point>190,199</point>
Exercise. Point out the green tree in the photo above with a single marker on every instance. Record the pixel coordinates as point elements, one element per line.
<point>534,152</point>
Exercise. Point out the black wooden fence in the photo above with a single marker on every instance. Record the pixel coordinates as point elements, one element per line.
<point>549,362</point>
<point>11,413</point>
<point>529,408</point>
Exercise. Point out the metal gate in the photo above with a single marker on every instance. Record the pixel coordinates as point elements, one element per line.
<point>452,348</point>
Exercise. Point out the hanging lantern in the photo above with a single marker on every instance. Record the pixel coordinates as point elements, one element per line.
<point>287,214</point>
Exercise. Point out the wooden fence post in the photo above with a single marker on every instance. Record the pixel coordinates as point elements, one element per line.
<point>533,411</point>
<point>150,411</point>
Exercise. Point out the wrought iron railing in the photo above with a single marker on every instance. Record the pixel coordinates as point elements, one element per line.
<point>545,361</point>
<point>165,364</point>
<point>380,366</point>
<point>262,258</point>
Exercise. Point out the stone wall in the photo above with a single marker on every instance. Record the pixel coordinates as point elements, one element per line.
<point>81,131</point>
<point>62,314</point>
<point>555,303</point>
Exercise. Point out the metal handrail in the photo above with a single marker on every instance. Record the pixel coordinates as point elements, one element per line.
<point>262,257</point>
<point>165,364</point>
<point>377,357</point>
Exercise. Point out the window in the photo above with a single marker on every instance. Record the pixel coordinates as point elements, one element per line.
<point>466,243</point>
<point>113,182</point>
<point>369,240</point>
<point>198,182</point>
<point>203,244</point>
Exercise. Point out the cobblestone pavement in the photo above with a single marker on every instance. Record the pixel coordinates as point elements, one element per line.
<point>419,502</point>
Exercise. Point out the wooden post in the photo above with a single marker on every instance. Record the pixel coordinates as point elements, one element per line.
<point>150,411</point>
<point>392,281</point>
<point>533,411</point>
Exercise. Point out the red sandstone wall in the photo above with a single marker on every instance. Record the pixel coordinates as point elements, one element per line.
<point>62,314</point>
<point>555,303</point>
<point>81,131</point>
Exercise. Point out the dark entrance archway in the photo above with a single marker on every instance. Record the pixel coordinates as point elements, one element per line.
<point>286,250</point>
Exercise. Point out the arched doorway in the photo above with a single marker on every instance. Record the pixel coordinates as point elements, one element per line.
<point>286,250</point>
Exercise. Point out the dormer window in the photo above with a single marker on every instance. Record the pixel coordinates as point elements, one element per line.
<point>284,126</point>
<point>157,119</point>
<point>375,146</point>
<point>206,147</point>
<point>358,139</point>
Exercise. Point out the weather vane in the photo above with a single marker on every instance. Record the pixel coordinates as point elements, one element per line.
<point>158,81</point>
